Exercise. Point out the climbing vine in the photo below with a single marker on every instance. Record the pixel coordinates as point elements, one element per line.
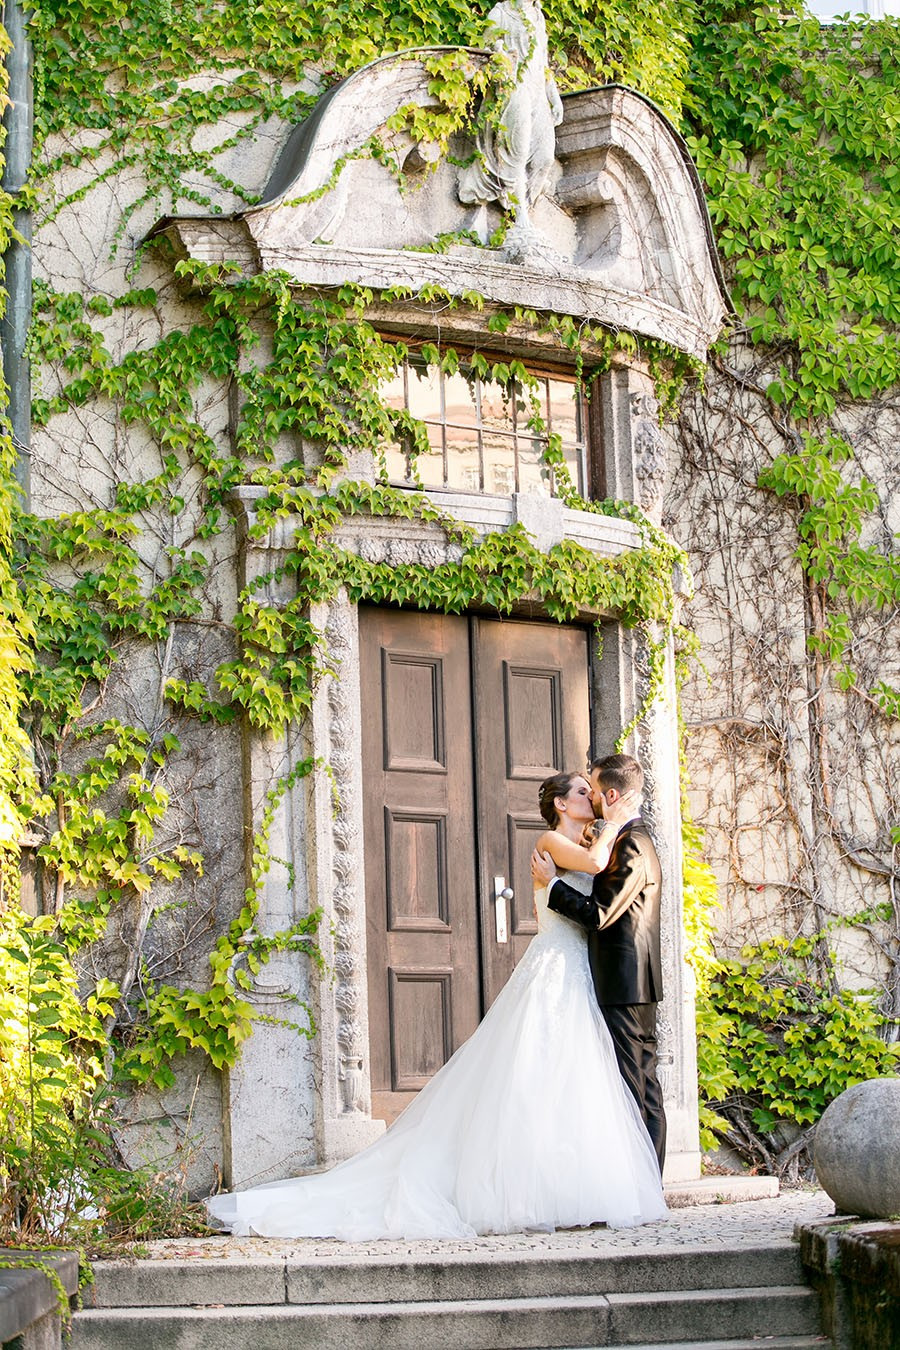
<point>116,857</point>
<point>148,108</point>
<point>794,129</point>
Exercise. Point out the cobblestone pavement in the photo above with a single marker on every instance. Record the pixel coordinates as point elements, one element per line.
<point>747,1223</point>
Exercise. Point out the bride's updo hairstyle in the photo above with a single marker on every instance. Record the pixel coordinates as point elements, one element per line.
<point>551,788</point>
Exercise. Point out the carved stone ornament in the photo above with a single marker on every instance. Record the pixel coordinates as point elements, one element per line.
<point>609,220</point>
<point>649,451</point>
<point>516,149</point>
<point>349,994</point>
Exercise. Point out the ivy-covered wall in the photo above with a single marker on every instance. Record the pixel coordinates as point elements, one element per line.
<point>784,493</point>
<point>159,388</point>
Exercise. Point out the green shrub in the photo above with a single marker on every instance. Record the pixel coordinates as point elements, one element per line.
<point>779,1040</point>
<point>61,1179</point>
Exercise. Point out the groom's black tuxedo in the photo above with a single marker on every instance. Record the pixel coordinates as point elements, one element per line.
<point>622,918</point>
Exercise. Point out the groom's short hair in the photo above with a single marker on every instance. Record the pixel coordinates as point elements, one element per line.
<point>620,772</point>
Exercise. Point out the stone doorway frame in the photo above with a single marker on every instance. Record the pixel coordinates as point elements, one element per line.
<point>317,1093</point>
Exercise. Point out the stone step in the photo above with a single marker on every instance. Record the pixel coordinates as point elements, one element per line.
<point>754,1343</point>
<point>634,1319</point>
<point>234,1282</point>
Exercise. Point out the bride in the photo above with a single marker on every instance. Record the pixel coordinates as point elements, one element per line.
<point>527,1126</point>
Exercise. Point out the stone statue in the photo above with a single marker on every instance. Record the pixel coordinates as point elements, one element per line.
<point>515,154</point>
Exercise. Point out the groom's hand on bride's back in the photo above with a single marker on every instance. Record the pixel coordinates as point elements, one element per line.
<point>543,869</point>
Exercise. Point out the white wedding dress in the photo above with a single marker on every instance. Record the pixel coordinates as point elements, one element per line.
<point>527,1126</point>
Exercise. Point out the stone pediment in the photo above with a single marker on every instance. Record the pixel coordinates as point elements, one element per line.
<point>619,232</point>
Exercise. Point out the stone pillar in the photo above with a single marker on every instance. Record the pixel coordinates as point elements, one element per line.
<point>336,865</point>
<point>634,469</point>
<point>633,445</point>
<point>621,682</point>
<point>269,1095</point>
<point>291,1103</point>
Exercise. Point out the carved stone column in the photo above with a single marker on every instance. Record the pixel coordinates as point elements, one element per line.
<point>634,469</point>
<point>336,866</point>
<point>291,1103</point>
<point>269,1095</point>
<point>632,442</point>
<point>621,682</point>
<point>657,751</point>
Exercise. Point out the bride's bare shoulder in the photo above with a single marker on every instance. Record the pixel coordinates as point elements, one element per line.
<point>551,839</point>
<point>565,853</point>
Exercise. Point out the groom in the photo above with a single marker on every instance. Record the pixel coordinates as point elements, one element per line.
<point>622,918</point>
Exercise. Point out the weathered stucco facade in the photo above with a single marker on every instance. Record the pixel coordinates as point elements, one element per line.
<point>616,234</point>
<point>793,778</point>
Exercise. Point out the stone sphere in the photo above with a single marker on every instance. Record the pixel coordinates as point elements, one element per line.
<point>856,1152</point>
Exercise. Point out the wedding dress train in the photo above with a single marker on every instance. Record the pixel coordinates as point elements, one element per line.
<point>527,1125</point>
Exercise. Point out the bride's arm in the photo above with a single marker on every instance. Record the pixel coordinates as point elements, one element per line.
<point>601,842</point>
<point>571,857</point>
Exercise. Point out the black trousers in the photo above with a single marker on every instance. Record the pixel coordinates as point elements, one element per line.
<point>633,1030</point>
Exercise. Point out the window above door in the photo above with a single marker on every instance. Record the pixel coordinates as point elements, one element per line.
<point>831,11</point>
<point>484,434</point>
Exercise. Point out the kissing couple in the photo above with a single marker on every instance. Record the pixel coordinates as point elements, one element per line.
<point>550,1115</point>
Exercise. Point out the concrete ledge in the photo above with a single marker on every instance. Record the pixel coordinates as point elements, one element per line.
<point>472,1324</point>
<point>27,1294</point>
<point>726,1313</point>
<point>135,1284</point>
<point>855,1265</point>
<point>723,1190</point>
<point>235,1282</point>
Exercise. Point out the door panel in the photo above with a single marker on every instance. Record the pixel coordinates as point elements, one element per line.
<point>532,718</point>
<point>419,821</point>
<point>455,712</point>
<point>420,1008</point>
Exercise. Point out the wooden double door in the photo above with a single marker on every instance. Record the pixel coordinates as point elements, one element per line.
<point>463,718</point>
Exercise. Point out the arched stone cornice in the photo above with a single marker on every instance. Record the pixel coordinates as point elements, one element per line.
<point>627,237</point>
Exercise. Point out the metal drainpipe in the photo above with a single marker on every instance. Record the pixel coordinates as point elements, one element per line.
<point>18,120</point>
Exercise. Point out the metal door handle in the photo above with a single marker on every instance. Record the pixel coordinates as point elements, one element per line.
<point>502,896</point>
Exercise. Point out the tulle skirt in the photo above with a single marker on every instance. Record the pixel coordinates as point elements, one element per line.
<point>527,1126</point>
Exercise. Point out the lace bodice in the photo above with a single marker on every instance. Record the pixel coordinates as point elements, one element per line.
<point>552,925</point>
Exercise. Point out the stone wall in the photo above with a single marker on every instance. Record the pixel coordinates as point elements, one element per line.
<point>856,1269</point>
<point>35,1289</point>
<point>795,782</point>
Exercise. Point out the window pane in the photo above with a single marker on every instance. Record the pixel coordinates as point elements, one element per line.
<point>826,11</point>
<point>533,475</point>
<point>496,406</point>
<point>430,466</point>
<point>396,463</point>
<point>459,400</point>
<point>501,480</point>
<point>564,409</point>
<point>499,463</point>
<point>463,466</point>
<point>528,405</point>
<point>392,392</point>
<point>574,458</point>
<point>425,392</point>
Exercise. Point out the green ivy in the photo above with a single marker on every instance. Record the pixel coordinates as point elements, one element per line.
<point>51,1064</point>
<point>794,127</point>
<point>794,130</point>
<point>792,1040</point>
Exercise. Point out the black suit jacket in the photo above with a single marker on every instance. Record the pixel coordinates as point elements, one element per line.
<point>622,918</point>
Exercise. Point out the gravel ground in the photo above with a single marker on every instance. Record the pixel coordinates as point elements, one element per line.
<point>749,1223</point>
